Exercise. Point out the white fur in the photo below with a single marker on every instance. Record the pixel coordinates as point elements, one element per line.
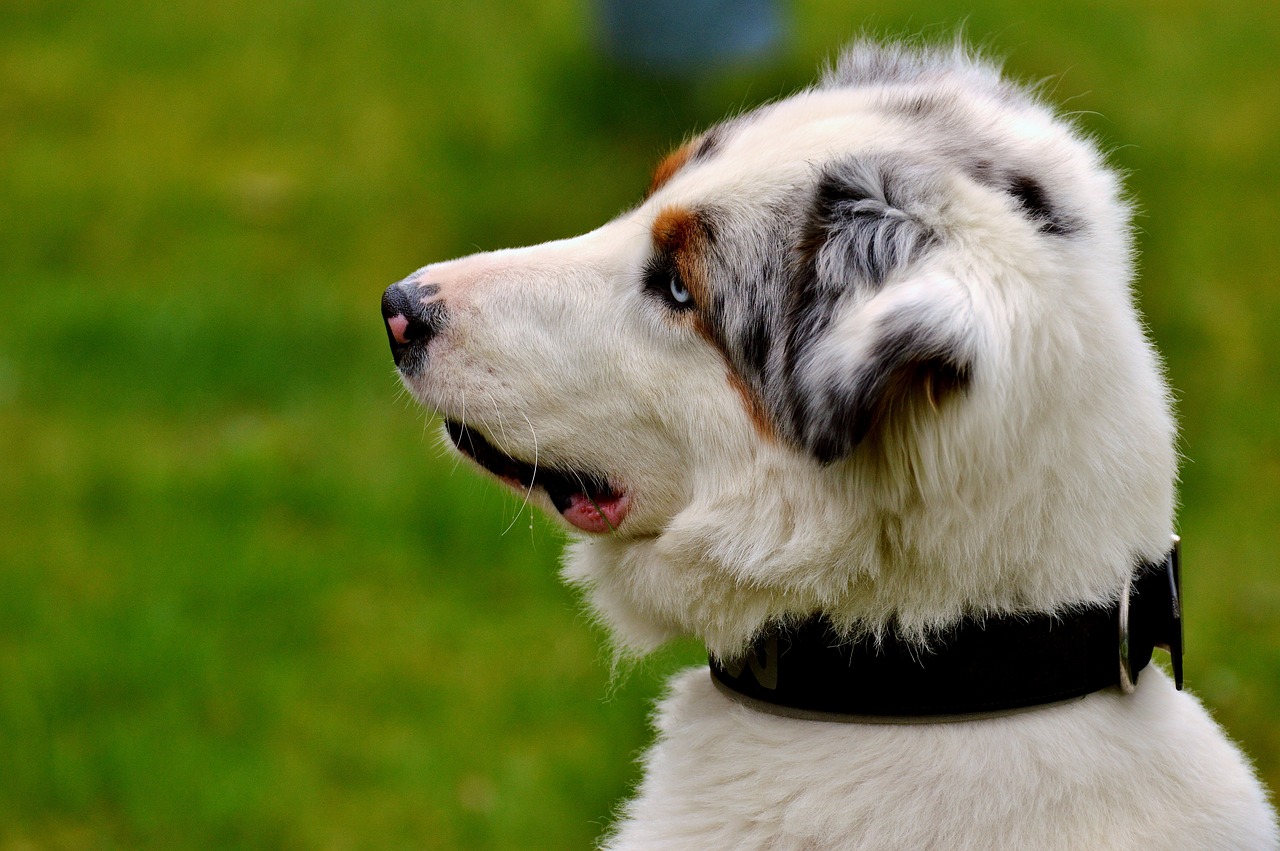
<point>1037,489</point>
<point>1149,771</point>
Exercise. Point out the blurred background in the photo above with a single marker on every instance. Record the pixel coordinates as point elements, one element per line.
<point>246,601</point>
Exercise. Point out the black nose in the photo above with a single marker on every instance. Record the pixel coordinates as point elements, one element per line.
<point>411,319</point>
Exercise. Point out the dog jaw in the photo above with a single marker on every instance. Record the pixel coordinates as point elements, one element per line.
<point>587,500</point>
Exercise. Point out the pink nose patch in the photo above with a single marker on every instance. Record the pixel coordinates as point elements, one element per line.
<point>398,324</point>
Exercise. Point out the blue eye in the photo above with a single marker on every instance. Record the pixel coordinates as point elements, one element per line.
<point>662,280</point>
<point>679,292</point>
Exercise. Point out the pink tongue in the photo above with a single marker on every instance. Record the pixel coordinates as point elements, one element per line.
<point>585,514</point>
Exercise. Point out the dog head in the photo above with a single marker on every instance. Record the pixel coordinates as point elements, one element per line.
<point>869,350</point>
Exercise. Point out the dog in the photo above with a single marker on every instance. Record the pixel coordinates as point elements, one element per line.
<point>858,396</point>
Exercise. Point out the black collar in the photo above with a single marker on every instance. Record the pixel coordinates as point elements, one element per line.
<point>986,666</point>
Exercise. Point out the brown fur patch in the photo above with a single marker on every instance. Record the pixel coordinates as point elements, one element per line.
<point>682,235</point>
<point>753,404</point>
<point>669,166</point>
<point>679,230</point>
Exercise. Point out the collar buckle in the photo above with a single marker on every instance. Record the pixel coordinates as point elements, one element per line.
<point>1157,618</point>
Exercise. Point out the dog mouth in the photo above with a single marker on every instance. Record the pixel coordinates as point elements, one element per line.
<point>584,498</point>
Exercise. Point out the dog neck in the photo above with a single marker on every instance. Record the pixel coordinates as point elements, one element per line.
<point>979,668</point>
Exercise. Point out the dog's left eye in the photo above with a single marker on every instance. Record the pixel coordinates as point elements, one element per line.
<point>679,292</point>
<point>665,282</point>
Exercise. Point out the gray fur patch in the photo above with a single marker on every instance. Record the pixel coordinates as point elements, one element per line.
<point>777,290</point>
<point>861,228</point>
<point>911,356</point>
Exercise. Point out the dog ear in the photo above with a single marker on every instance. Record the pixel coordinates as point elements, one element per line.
<point>904,354</point>
<point>877,338</point>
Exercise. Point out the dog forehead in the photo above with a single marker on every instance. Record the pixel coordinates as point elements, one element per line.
<point>785,145</point>
<point>777,146</point>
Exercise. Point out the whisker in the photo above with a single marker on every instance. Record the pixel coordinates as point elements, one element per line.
<point>457,459</point>
<point>532,479</point>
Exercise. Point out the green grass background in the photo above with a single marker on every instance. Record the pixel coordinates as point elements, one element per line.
<point>246,602</point>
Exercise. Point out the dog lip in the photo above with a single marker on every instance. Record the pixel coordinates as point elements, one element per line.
<point>586,499</point>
